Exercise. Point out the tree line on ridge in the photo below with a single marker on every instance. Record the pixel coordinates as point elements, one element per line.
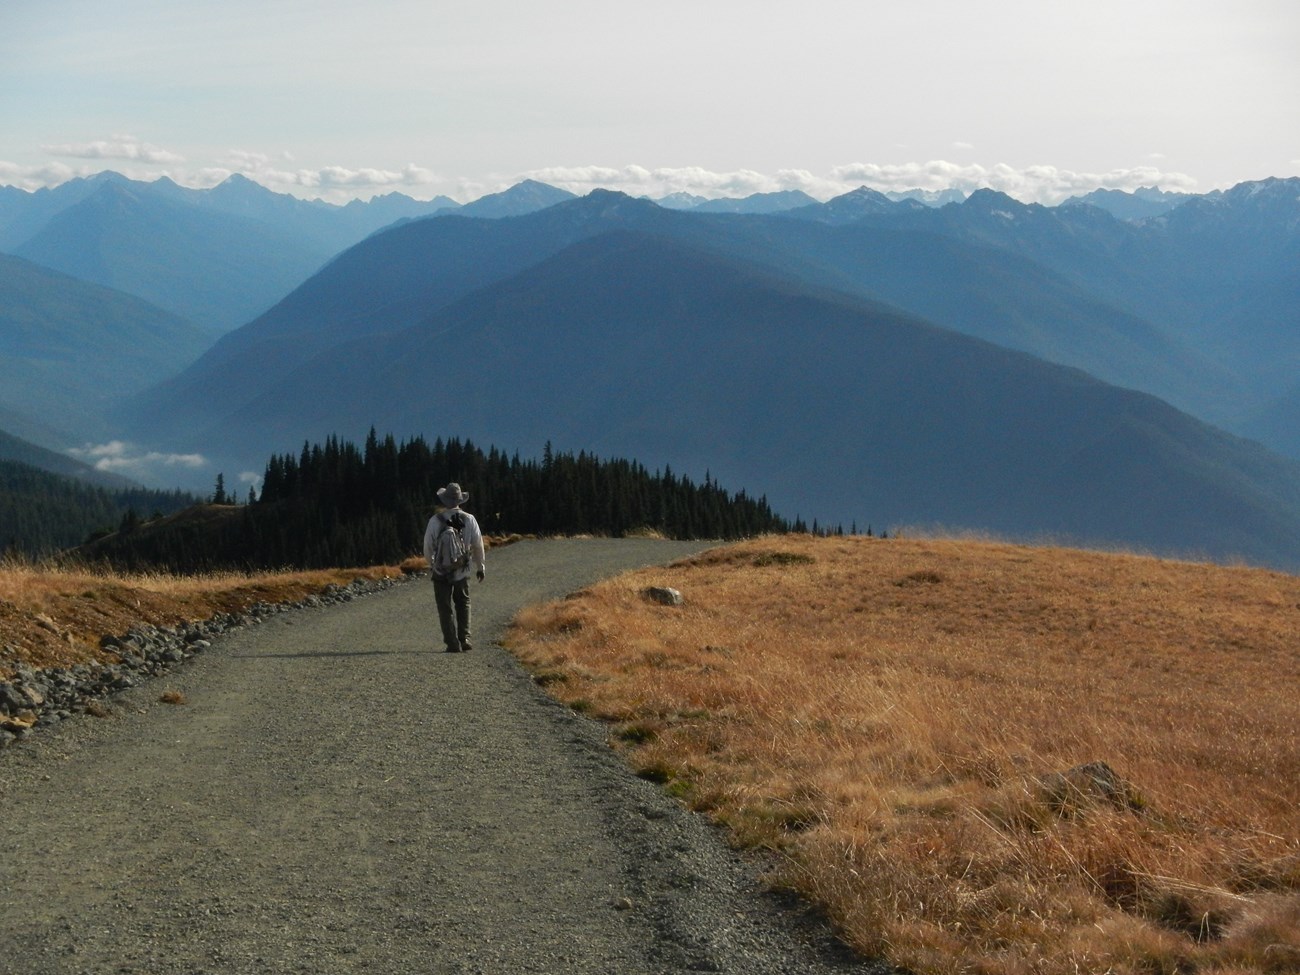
<point>337,504</point>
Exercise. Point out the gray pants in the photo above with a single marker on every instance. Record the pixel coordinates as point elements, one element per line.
<point>452,599</point>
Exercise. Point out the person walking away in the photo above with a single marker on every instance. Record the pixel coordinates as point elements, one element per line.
<point>453,547</point>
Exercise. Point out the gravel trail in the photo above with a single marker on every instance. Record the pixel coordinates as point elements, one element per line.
<point>337,795</point>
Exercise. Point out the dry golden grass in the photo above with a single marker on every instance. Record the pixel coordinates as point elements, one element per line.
<point>54,617</point>
<point>889,715</point>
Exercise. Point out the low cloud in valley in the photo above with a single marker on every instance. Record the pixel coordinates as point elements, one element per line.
<point>130,460</point>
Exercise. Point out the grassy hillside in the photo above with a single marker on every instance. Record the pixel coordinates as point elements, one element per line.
<point>54,617</point>
<point>977,757</point>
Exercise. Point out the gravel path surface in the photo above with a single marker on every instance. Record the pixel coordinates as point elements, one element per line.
<point>338,797</point>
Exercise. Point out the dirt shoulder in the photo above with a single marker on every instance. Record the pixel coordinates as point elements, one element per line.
<point>338,796</point>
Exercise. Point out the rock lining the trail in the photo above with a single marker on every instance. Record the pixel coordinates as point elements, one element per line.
<point>43,696</point>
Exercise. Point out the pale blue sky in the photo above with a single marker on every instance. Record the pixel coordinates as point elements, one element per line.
<point>1039,98</point>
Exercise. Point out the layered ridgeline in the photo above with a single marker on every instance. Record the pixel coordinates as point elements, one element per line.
<point>69,350</point>
<point>1199,305</point>
<point>398,279</point>
<point>215,258</point>
<point>1194,301</point>
<point>337,505</point>
<point>759,348</point>
<point>17,450</point>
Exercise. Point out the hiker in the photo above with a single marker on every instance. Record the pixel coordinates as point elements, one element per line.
<point>453,545</point>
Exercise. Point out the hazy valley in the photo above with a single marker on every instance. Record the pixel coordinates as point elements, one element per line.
<point>1118,370</point>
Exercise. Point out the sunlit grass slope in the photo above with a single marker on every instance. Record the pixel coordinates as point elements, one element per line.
<point>53,616</point>
<point>978,757</point>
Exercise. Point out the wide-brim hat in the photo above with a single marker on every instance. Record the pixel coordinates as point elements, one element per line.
<point>452,495</point>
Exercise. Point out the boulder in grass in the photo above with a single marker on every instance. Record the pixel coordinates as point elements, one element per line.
<point>664,595</point>
<point>1091,784</point>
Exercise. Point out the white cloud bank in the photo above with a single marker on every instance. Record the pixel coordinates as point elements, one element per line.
<point>32,178</point>
<point>1045,184</point>
<point>143,161</point>
<point>333,183</point>
<point>1035,184</point>
<point>120,457</point>
<point>125,147</point>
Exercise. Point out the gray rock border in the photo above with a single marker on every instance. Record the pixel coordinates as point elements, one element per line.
<point>36,697</point>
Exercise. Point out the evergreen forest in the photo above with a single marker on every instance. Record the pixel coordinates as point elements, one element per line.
<point>42,513</point>
<point>337,504</point>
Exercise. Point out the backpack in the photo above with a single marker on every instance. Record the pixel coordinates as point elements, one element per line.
<point>450,553</point>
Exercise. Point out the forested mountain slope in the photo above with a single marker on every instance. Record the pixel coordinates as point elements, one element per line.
<point>69,350</point>
<point>829,406</point>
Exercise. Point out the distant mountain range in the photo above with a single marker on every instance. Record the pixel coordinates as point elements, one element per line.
<point>978,364</point>
<point>1140,204</point>
<point>1214,283</point>
<point>521,199</point>
<point>221,256</point>
<point>757,203</point>
<point>216,258</point>
<point>759,348</point>
<point>1070,285</point>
